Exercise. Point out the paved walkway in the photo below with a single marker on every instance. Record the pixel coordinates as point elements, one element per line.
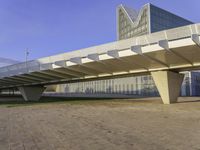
<point>120,125</point>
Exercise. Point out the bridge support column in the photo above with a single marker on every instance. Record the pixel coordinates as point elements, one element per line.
<point>168,84</point>
<point>31,93</point>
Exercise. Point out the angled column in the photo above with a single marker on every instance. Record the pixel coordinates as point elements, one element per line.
<point>168,84</point>
<point>31,93</point>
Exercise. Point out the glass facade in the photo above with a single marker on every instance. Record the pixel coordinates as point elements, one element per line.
<point>150,19</point>
<point>195,81</point>
<point>126,26</point>
<point>161,19</point>
<point>135,86</point>
<point>140,86</point>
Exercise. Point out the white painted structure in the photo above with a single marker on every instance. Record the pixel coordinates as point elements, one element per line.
<point>173,50</point>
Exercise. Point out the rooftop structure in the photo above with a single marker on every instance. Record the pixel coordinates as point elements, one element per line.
<point>148,20</point>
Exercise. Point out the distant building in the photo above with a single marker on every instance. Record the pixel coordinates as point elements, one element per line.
<point>149,19</point>
<point>191,84</point>
<point>131,23</point>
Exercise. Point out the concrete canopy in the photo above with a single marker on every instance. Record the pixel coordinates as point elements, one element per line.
<point>173,50</point>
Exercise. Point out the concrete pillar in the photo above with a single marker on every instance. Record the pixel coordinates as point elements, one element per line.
<point>168,84</point>
<point>31,93</point>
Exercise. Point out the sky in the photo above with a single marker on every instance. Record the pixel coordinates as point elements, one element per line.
<point>49,27</point>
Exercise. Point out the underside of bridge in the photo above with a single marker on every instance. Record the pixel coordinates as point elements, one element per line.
<point>168,84</point>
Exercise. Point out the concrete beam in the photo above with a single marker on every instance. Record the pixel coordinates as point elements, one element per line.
<point>7,82</point>
<point>22,79</point>
<point>13,81</point>
<point>74,74</point>
<point>76,60</point>
<point>100,67</point>
<point>101,64</point>
<point>165,44</point>
<point>79,68</point>
<point>31,93</point>
<point>39,75</point>
<point>195,39</point>
<point>82,69</point>
<point>43,75</point>
<point>168,84</point>
<point>56,74</point>
<point>138,49</point>
<point>113,53</point>
<point>94,57</point>
<point>28,76</point>
<point>61,63</point>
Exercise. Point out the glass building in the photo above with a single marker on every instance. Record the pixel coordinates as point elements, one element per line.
<point>131,23</point>
<point>149,19</point>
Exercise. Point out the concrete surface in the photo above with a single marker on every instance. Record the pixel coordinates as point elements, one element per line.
<point>168,84</point>
<point>31,93</point>
<point>101,125</point>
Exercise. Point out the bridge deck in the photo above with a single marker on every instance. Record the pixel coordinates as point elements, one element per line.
<point>175,49</point>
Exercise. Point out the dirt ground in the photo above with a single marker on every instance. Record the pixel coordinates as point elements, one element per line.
<point>101,125</point>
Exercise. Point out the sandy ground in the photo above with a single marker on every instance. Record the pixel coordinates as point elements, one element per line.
<point>101,125</point>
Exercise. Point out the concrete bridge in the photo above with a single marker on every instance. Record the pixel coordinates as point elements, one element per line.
<point>163,54</point>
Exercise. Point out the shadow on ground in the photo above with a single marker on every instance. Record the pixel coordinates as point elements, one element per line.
<point>17,100</point>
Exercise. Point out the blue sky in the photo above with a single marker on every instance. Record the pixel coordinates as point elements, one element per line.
<point>48,27</point>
